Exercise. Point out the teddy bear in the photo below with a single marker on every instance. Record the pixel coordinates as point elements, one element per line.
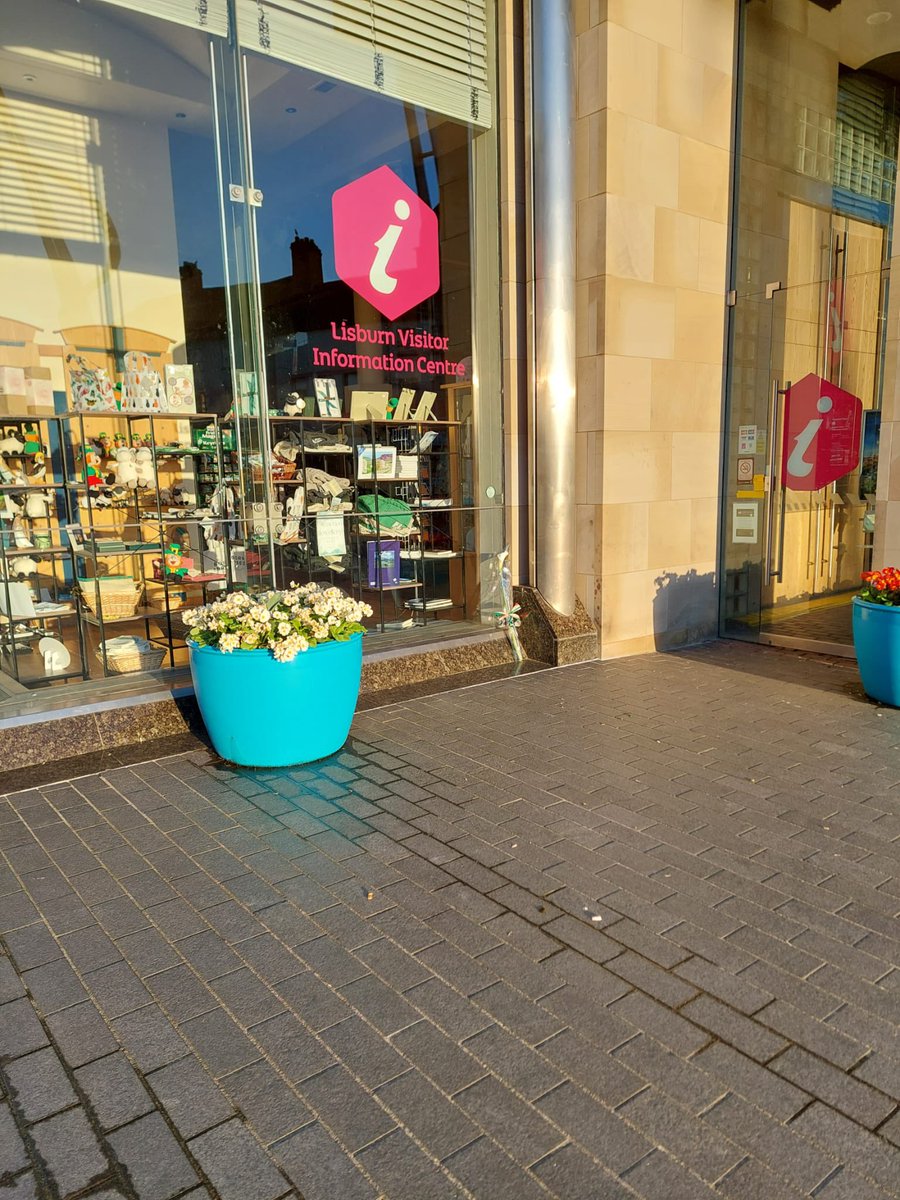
<point>144,467</point>
<point>126,470</point>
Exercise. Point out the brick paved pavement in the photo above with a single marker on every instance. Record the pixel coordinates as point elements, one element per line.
<point>610,931</point>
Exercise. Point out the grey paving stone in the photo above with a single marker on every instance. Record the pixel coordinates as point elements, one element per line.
<point>236,1164</point>
<point>483,1167</point>
<point>380,1004</point>
<point>449,1010</point>
<point>777,1146</point>
<point>739,1031</point>
<point>510,1121</point>
<point>438,1056</point>
<point>313,1161</point>
<point>69,1149</point>
<point>158,1167</point>
<point>364,1051</point>
<point>270,1107</point>
<point>571,1175</point>
<point>677,1130</point>
<point>117,990</point>
<point>600,1131</point>
<point>438,1123</point>
<point>660,1175</point>
<point>220,1042</point>
<point>181,993</point>
<point>54,986</point>
<point>13,1155</point>
<point>189,1097</point>
<point>20,1030</point>
<point>32,946</point>
<point>114,1090</point>
<point>346,1108</point>
<point>39,1084</point>
<point>841,1091</point>
<point>318,1004</point>
<point>524,1069</point>
<point>403,1171</point>
<point>150,1038</point>
<point>148,952</point>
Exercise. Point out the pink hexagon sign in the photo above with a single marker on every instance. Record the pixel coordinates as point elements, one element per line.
<point>385,242</point>
<point>822,425</point>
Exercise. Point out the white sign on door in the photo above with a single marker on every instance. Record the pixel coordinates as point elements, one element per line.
<point>745,521</point>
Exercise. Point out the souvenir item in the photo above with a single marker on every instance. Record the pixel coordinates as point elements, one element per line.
<point>56,656</point>
<point>383,562</point>
<point>90,386</point>
<point>180,388</point>
<point>376,462</point>
<point>125,468</point>
<point>366,406</point>
<point>327,402</point>
<point>143,465</point>
<point>37,503</point>
<point>295,405</point>
<point>142,387</point>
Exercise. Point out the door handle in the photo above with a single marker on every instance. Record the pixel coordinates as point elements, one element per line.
<point>774,473</point>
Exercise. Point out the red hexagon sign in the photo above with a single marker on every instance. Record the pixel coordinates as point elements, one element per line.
<point>822,425</point>
<point>385,242</point>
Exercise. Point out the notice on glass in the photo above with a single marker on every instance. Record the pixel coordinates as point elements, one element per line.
<point>746,439</point>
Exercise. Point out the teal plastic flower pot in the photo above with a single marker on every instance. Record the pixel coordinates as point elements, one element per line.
<point>876,639</point>
<point>263,713</point>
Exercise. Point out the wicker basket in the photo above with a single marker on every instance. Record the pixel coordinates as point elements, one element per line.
<point>283,470</point>
<point>113,603</point>
<point>122,662</point>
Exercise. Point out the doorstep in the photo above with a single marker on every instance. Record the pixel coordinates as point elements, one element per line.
<point>38,727</point>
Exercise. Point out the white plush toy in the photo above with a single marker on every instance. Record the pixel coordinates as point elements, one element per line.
<point>11,445</point>
<point>126,470</point>
<point>144,466</point>
<point>36,504</point>
<point>23,565</point>
<point>295,405</point>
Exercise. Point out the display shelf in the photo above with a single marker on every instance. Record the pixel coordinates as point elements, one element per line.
<point>391,587</point>
<point>130,415</point>
<point>173,462</point>
<point>140,614</point>
<point>365,421</point>
<point>13,552</point>
<point>33,674</point>
<point>47,486</point>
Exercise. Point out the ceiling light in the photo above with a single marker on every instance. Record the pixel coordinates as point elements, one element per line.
<point>878,18</point>
<point>29,78</point>
<point>290,110</point>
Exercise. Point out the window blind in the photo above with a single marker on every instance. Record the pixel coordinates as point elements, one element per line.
<point>211,15</point>
<point>431,53</point>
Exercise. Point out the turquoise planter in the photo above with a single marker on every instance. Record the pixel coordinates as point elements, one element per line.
<point>263,713</point>
<point>876,638</point>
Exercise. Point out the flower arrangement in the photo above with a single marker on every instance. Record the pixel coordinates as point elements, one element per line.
<point>881,587</point>
<point>285,622</point>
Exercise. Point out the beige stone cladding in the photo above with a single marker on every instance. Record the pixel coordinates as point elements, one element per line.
<point>653,140</point>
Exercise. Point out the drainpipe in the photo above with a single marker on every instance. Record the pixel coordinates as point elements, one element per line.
<point>553,202</point>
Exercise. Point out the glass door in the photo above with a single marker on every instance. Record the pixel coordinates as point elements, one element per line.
<point>809,322</point>
<point>824,375</point>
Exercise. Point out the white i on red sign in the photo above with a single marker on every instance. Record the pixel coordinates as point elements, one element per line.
<point>822,425</point>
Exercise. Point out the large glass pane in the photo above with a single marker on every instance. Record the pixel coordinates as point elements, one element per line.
<point>115,371</point>
<point>807,376</point>
<point>365,249</point>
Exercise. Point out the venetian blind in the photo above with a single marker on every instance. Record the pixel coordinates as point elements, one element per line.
<point>431,53</point>
<point>211,15</point>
